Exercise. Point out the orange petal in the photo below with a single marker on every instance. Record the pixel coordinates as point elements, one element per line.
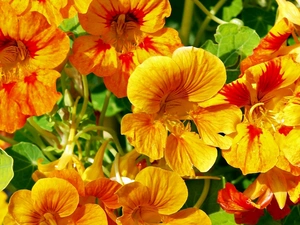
<point>9,107</point>
<point>91,54</point>
<point>104,189</point>
<point>72,176</point>
<point>167,189</point>
<point>117,80</point>
<point>89,214</point>
<point>269,45</point>
<point>37,94</point>
<point>214,120</point>
<point>190,216</point>
<point>253,149</point>
<point>19,6</point>
<point>163,42</point>
<point>47,45</point>
<point>64,197</point>
<point>146,134</point>
<point>21,208</point>
<point>185,150</point>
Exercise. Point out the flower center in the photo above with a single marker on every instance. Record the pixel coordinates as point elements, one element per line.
<point>125,32</point>
<point>13,52</point>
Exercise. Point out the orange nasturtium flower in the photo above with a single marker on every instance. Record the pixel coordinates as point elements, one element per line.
<point>155,197</point>
<point>262,91</point>
<point>123,34</point>
<point>55,11</point>
<point>52,201</point>
<point>166,90</point>
<point>30,49</point>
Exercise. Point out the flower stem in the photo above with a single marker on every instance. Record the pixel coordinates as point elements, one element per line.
<point>203,194</point>
<point>103,111</point>
<point>206,22</point>
<point>50,138</point>
<point>8,140</point>
<point>85,99</point>
<point>186,22</point>
<point>208,13</point>
<point>101,128</point>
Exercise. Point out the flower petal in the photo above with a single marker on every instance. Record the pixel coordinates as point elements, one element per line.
<point>186,150</point>
<point>189,216</point>
<point>89,214</point>
<point>253,149</point>
<point>54,195</point>
<point>91,54</point>
<point>168,191</point>
<point>146,134</point>
<point>21,208</point>
<point>104,189</point>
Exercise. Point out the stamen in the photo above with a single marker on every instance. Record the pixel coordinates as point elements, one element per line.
<point>121,24</point>
<point>252,109</point>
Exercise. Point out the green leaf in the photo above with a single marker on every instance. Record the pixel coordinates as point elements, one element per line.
<point>25,157</point>
<point>234,43</point>
<point>44,123</point>
<point>98,96</point>
<point>233,10</point>
<point>259,20</point>
<point>6,169</point>
<point>293,217</point>
<point>222,218</point>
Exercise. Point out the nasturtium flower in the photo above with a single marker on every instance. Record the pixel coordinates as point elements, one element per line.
<point>3,206</point>
<point>123,35</point>
<point>155,197</point>
<point>30,49</point>
<point>52,201</point>
<point>173,89</point>
<point>262,91</point>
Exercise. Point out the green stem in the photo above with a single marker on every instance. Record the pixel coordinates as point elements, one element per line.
<point>186,22</point>
<point>49,137</point>
<point>8,140</point>
<point>85,99</point>
<point>213,17</point>
<point>101,128</point>
<point>103,111</point>
<point>206,22</point>
<point>203,194</point>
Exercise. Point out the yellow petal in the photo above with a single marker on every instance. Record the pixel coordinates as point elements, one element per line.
<point>253,149</point>
<point>89,214</point>
<point>214,120</point>
<point>21,208</point>
<point>190,216</point>
<point>186,150</point>
<point>168,191</point>
<point>64,197</point>
<point>146,134</point>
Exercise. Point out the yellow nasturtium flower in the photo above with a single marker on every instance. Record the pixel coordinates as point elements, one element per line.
<point>155,197</point>
<point>53,201</point>
<point>164,91</point>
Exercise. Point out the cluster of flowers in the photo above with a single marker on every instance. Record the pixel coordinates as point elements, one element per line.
<point>182,111</point>
<point>267,139</point>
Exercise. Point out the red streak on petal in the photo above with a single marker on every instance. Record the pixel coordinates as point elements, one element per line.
<point>31,47</point>
<point>127,60</point>
<point>269,80</point>
<point>102,47</point>
<point>236,93</point>
<point>30,79</point>
<point>147,44</point>
<point>138,15</point>
<point>285,130</point>
<point>254,132</point>
<point>8,87</point>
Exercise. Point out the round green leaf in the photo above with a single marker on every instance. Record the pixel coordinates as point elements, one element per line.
<point>6,169</point>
